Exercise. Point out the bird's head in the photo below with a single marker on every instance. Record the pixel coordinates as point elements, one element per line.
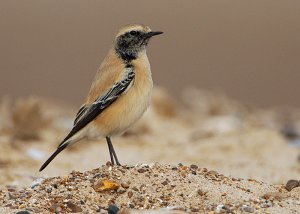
<point>133,39</point>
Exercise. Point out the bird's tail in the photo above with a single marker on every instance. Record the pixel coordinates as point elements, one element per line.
<point>66,142</point>
<point>58,150</point>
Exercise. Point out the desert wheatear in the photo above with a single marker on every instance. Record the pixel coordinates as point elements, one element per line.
<point>120,92</point>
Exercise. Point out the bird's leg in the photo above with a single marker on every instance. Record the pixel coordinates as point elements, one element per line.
<point>112,150</point>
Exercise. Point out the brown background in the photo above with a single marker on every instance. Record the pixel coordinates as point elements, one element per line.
<point>248,49</point>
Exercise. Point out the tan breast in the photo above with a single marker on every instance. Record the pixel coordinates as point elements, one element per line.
<point>130,106</point>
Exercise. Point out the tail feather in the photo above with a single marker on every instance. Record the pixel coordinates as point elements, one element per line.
<point>58,150</point>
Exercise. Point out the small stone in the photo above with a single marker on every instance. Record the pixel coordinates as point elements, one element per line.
<point>223,208</point>
<point>58,209</point>
<point>74,208</point>
<point>194,167</point>
<point>141,170</point>
<point>105,185</point>
<point>248,209</point>
<point>130,194</point>
<point>113,209</point>
<point>158,189</point>
<point>108,163</point>
<point>135,189</point>
<point>121,190</point>
<point>219,208</point>
<point>164,183</point>
<point>200,192</point>
<point>291,184</point>
<point>125,185</point>
<point>184,167</point>
<point>55,208</point>
<point>266,205</point>
<point>23,212</point>
<point>152,165</point>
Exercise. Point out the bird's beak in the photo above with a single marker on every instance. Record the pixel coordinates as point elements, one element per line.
<point>152,33</point>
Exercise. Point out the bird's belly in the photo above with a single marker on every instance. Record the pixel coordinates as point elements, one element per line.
<point>125,111</point>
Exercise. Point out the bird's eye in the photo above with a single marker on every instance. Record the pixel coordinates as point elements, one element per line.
<point>134,33</point>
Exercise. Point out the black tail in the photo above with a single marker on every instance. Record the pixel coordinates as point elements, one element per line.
<point>58,150</point>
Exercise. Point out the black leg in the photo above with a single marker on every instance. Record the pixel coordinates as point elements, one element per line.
<point>112,151</point>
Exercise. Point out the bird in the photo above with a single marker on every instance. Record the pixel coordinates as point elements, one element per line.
<point>120,92</point>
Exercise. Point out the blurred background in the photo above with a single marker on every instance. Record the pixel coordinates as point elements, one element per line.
<point>249,50</point>
<point>227,71</point>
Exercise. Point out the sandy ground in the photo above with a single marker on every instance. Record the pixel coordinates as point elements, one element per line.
<point>242,154</point>
<point>153,186</point>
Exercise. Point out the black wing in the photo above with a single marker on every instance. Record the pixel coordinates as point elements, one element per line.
<point>87,113</point>
<point>80,112</point>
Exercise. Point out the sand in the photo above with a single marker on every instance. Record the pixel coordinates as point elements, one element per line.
<point>205,153</point>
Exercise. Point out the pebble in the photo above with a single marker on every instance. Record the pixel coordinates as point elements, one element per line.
<point>135,189</point>
<point>36,182</point>
<point>125,185</point>
<point>55,208</point>
<point>23,212</point>
<point>193,166</point>
<point>152,165</point>
<point>200,192</point>
<point>221,208</point>
<point>121,190</point>
<point>248,209</point>
<point>291,184</point>
<point>145,165</point>
<point>108,164</point>
<point>105,185</point>
<point>130,194</point>
<point>266,205</point>
<point>74,208</point>
<point>113,209</point>
<point>141,170</point>
<point>164,183</point>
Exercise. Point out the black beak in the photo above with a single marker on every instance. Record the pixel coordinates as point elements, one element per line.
<point>152,33</point>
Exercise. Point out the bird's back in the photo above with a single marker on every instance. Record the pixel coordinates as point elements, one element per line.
<point>110,71</point>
